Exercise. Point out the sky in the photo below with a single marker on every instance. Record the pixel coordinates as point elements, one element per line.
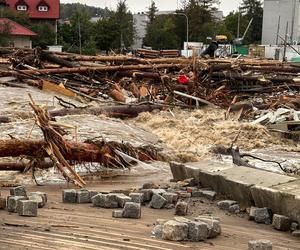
<point>141,5</point>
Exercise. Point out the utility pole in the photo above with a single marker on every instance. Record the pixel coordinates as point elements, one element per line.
<point>239,22</point>
<point>278,30</point>
<point>293,22</point>
<point>285,42</point>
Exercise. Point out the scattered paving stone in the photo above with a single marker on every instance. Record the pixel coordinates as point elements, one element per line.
<point>234,209</point>
<point>175,231</point>
<point>122,199</point>
<point>18,191</point>
<point>261,215</point>
<point>37,198</point>
<point>132,210</point>
<point>251,213</point>
<point>83,196</point>
<point>69,196</point>
<point>214,227</point>
<point>105,201</point>
<point>147,194</point>
<point>160,221</point>
<point>27,208</point>
<point>12,202</point>
<point>149,185</point>
<point>294,226</point>
<point>181,208</point>
<point>157,201</point>
<point>224,205</point>
<point>2,203</point>
<point>158,191</point>
<point>198,231</point>
<point>259,245</point>
<point>169,206</point>
<point>281,222</point>
<point>92,194</point>
<point>117,214</point>
<point>170,197</point>
<point>121,191</point>
<point>42,194</point>
<point>208,194</point>
<point>296,233</point>
<point>184,195</point>
<point>157,231</point>
<point>136,197</point>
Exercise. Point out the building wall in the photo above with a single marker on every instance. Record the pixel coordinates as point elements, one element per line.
<point>22,42</point>
<point>288,11</point>
<point>140,24</point>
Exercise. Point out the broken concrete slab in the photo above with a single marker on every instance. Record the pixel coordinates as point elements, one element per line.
<point>27,208</point>
<point>18,191</point>
<point>208,194</point>
<point>259,245</point>
<point>157,201</point>
<point>12,202</point>
<point>132,210</point>
<point>175,231</point>
<point>69,196</point>
<point>282,223</point>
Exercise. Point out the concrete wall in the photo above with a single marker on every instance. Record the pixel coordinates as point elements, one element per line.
<point>22,42</point>
<point>288,11</point>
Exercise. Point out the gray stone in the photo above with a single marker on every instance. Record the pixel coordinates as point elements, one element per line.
<point>294,226</point>
<point>105,201</point>
<point>136,197</point>
<point>157,201</point>
<point>27,208</point>
<point>158,231</point>
<point>69,196</point>
<point>234,209</point>
<point>92,194</point>
<point>160,221</point>
<point>296,233</point>
<point>259,245</point>
<point>117,214</point>
<point>175,231</point>
<point>149,185</point>
<point>132,210</point>
<point>169,206</point>
<point>12,202</point>
<point>251,213</point>
<point>198,231</point>
<point>122,199</point>
<point>181,208</point>
<point>224,205</point>
<point>182,219</point>
<point>158,191</point>
<point>83,196</point>
<point>18,191</point>
<point>43,195</point>
<point>170,197</point>
<point>37,198</point>
<point>214,227</point>
<point>261,215</point>
<point>208,194</point>
<point>2,203</point>
<point>147,194</point>
<point>281,222</point>
<point>184,195</point>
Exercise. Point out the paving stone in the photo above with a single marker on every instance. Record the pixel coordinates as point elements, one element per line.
<point>105,201</point>
<point>281,222</point>
<point>147,194</point>
<point>170,197</point>
<point>27,208</point>
<point>69,196</point>
<point>175,231</point>
<point>122,199</point>
<point>18,191</point>
<point>234,209</point>
<point>251,213</point>
<point>132,210</point>
<point>157,201</point>
<point>181,208</point>
<point>149,185</point>
<point>208,194</point>
<point>261,215</point>
<point>136,197</point>
<point>92,194</point>
<point>12,202</point>
<point>198,231</point>
<point>2,203</point>
<point>296,233</point>
<point>224,205</point>
<point>259,245</point>
<point>158,231</point>
<point>117,214</point>
<point>294,226</point>
<point>37,198</point>
<point>214,226</point>
<point>83,196</point>
<point>122,191</point>
<point>43,195</point>
<point>158,191</point>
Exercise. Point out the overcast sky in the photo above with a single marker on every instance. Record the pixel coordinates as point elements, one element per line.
<point>141,5</point>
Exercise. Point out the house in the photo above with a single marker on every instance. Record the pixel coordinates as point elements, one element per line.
<point>20,36</point>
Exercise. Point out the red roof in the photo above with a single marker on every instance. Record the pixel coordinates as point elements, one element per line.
<point>17,29</point>
<point>33,11</point>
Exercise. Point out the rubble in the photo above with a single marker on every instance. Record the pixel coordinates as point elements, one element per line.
<point>157,201</point>
<point>18,191</point>
<point>136,197</point>
<point>27,208</point>
<point>282,223</point>
<point>175,231</point>
<point>12,203</point>
<point>226,204</point>
<point>262,215</point>
<point>181,208</point>
<point>260,245</point>
<point>132,210</point>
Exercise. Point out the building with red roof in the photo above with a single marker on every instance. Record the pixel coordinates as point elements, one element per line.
<point>20,36</point>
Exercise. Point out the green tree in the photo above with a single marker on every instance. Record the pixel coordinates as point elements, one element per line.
<point>231,24</point>
<point>152,12</point>
<point>5,36</point>
<point>45,35</point>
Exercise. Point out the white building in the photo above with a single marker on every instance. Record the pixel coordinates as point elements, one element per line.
<point>277,13</point>
<point>140,24</point>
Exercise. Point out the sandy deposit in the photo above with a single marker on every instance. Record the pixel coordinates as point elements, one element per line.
<point>191,134</point>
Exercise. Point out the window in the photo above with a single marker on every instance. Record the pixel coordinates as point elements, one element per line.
<point>43,8</point>
<point>22,7</point>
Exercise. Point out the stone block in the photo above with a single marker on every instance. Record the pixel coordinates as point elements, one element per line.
<point>122,199</point>
<point>83,196</point>
<point>105,201</point>
<point>136,197</point>
<point>157,231</point>
<point>18,191</point>
<point>37,198</point>
<point>157,201</point>
<point>2,203</point>
<point>27,208</point>
<point>184,195</point>
<point>261,215</point>
<point>12,202</point>
<point>69,196</point>
<point>198,231</point>
<point>169,206</point>
<point>296,233</point>
<point>175,231</point>
<point>259,245</point>
<point>282,223</point>
<point>170,197</point>
<point>294,226</point>
<point>224,205</point>
<point>160,221</point>
<point>181,208</point>
<point>214,227</point>
<point>147,194</point>
<point>43,195</point>
<point>149,185</point>
<point>117,214</point>
<point>159,191</point>
<point>234,209</point>
<point>132,210</point>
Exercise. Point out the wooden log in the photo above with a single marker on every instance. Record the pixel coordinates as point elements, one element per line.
<point>19,166</point>
<point>271,69</point>
<point>53,58</point>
